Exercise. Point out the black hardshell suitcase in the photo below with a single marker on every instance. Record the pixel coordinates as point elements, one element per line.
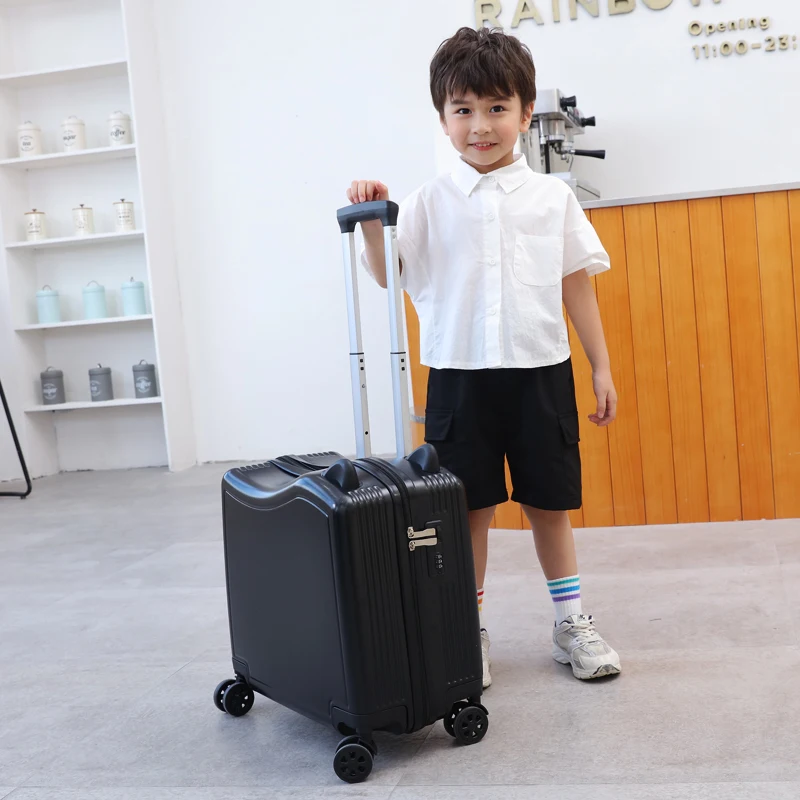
<point>351,586</point>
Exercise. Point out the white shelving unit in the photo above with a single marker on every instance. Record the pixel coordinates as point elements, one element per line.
<point>88,58</point>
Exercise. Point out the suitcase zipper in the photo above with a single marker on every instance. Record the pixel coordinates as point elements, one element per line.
<point>399,483</point>
<point>408,520</point>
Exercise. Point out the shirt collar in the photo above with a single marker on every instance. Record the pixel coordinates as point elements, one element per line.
<point>466,177</point>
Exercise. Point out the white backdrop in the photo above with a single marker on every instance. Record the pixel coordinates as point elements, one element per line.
<point>271,113</point>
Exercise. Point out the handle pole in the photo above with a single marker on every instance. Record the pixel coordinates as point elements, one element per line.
<point>358,366</point>
<point>402,414</point>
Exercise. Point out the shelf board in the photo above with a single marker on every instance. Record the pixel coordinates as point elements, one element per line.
<point>76,241</point>
<point>51,77</point>
<point>94,155</point>
<point>83,404</point>
<point>79,323</point>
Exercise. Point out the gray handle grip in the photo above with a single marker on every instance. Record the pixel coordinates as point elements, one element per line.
<point>384,210</point>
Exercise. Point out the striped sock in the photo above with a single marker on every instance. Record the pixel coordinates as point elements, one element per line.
<point>566,594</point>
<point>480,606</point>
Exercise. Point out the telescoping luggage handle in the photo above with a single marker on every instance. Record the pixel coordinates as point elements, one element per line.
<point>386,211</point>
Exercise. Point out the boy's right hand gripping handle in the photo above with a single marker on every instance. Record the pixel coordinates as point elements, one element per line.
<point>384,210</point>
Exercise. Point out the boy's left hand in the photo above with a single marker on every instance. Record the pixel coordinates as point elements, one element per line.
<point>606,396</point>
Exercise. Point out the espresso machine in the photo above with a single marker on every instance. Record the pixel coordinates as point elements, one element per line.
<point>556,122</point>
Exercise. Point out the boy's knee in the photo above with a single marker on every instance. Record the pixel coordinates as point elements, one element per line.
<point>481,518</point>
<point>545,518</point>
<point>542,511</point>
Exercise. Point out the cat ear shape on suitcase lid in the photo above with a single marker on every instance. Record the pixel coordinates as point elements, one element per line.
<point>426,458</point>
<point>343,474</point>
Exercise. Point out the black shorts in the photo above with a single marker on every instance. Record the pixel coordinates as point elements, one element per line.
<point>476,419</point>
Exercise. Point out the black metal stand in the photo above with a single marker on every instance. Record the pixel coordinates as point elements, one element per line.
<point>24,466</point>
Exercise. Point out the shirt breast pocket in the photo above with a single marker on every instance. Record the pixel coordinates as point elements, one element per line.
<point>538,260</point>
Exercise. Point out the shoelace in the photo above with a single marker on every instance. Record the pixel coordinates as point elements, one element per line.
<point>585,632</point>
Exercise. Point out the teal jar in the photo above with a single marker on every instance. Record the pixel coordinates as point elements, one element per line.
<point>48,306</point>
<point>94,301</point>
<point>133,300</point>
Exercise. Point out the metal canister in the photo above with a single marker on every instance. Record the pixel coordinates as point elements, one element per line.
<point>83,219</point>
<point>144,380</point>
<point>123,216</point>
<point>100,383</point>
<point>35,228</point>
<point>47,306</point>
<point>119,129</point>
<point>73,135</point>
<point>133,300</point>
<point>29,140</point>
<point>94,301</point>
<point>53,387</point>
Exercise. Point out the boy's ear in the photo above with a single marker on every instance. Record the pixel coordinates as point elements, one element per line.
<point>525,122</point>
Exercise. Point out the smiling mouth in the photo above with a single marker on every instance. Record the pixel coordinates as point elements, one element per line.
<point>483,145</point>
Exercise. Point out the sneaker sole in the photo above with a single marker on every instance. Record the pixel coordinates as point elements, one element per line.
<point>586,675</point>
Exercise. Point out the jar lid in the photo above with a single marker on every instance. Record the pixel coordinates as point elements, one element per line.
<point>52,372</point>
<point>143,366</point>
<point>34,212</point>
<point>119,115</point>
<point>132,284</point>
<point>28,126</point>
<point>47,291</point>
<point>100,370</point>
<point>124,201</point>
<point>96,288</point>
<point>82,207</point>
<point>72,120</point>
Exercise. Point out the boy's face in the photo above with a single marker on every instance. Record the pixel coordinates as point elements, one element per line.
<point>485,129</point>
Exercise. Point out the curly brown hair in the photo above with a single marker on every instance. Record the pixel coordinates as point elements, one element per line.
<point>486,62</point>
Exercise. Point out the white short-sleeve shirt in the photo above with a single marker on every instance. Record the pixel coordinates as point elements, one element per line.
<point>483,259</point>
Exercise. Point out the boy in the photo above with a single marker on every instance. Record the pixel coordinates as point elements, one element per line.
<point>488,253</point>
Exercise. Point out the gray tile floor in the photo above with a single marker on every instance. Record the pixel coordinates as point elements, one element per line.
<point>113,633</point>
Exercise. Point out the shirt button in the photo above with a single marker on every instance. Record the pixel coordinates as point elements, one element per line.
<point>490,217</point>
<point>492,261</point>
<point>490,179</point>
<point>492,312</point>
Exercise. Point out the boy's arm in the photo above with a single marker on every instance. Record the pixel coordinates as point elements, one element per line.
<point>581,304</point>
<point>375,251</point>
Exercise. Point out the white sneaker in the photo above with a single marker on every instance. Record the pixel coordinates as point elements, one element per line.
<point>487,662</point>
<point>577,643</point>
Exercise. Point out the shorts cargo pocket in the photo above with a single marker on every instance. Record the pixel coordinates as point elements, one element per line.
<point>438,424</point>
<point>569,427</point>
